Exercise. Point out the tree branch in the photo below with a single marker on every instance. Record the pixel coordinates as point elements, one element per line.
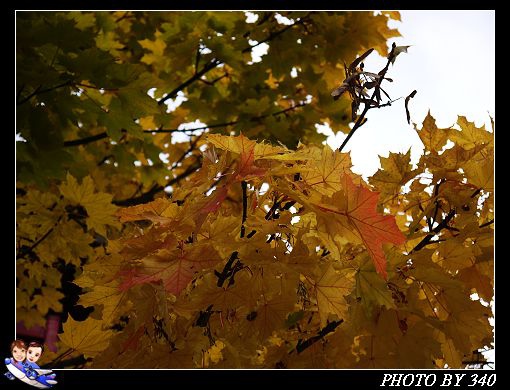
<point>149,195</point>
<point>97,88</point>
<point>24,250</point>
<point>60,357</point>
<point>215,80</point>
<point>97,137</point>
<point>39,91</point>
<point>72,362</point>
<point>86,140</point>
<point>189,150</point>
<point>191,130</point>
<point>274,34</point>
<point>227,269</point>
<point>435,231</point>
<point>211,65</point>
<point>302,345</point>
<point>486,223</point>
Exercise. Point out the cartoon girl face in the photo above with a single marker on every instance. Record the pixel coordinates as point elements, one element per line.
<point>19,354</point>
<point>33,354</point>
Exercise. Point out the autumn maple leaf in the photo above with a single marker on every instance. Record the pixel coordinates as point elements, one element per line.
<point>375,229</point>
<point>245,168</point>
<point>359,206</point>
<point>175,270</point>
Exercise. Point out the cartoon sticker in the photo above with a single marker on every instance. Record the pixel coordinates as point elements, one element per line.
<point>22,365</point>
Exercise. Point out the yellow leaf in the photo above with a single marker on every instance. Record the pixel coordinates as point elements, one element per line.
<point>395,171</point>
<point>87,337</point>
<point>370,287</point>
<point>393,15</point>
<point>157,49</point>
<point>480,170</point>
<point>268,316</point>
<point>147,123</point>
<point>453,255</point>
<point>327,170</point>
<point>100,210</point>
<point>331,288</point>
<point>107,41</point>
<point>109,297</point>
<point>432,137</point>
<point>48,299</point>
<point>470,136</point>
<point>241,144</point>
<point>213,354</point>
<point>160,211</point>
<point>451,355</point>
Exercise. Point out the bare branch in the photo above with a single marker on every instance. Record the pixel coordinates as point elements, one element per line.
<point>211,65</point>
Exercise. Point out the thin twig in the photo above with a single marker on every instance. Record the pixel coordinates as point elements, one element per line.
<point>486,223</point>
<point>197,58</point>
<point>61,356</point>
<point>189,150</point>
<point>31,248</point>
<point>274,34</point>
<point>39,91</point>
<point>97,88</point>
<point>103,160</point>
<point>86,140</point>
<point>435,231</point>
<point>213,81</point>
<point>227,269</point>
<point>211,65</point>
<point>156,188</point>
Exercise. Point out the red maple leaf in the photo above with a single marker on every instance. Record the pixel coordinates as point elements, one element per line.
<point>244,170</point>
<point>174,270</point>
<point>374,228</point>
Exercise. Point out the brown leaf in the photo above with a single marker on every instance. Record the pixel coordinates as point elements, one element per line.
<point>337,92</point>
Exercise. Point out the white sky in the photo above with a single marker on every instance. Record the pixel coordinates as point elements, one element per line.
<point>451,64</point>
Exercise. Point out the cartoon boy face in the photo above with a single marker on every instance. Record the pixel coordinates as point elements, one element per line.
<point>19,354</point>
<point>33,354</point>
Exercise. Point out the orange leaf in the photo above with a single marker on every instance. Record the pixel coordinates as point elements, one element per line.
<point>374,229</point>
<point>175,270</point>
<point>159,211</point>
<point>244,170</point>
<point>246,166</point>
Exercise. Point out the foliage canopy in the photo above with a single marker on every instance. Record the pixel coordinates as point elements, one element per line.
<point>243,242</point>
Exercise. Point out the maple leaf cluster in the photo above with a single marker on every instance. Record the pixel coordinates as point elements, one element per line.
<point>270,257</point>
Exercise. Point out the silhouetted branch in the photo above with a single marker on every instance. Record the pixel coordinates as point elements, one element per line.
<point>156,188</point>
<point>302,345</point>
<point>86,140</point>
<point>39,91</point>
<point>435,231</point>
<point>211,65</point>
